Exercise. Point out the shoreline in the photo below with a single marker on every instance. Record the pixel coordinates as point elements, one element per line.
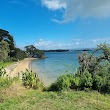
<point>42,77</point>
<point>15,69</point>
<point>18,67</point>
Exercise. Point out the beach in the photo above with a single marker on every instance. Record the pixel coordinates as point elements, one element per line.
<point>18,67</point>
<point>21,66</point>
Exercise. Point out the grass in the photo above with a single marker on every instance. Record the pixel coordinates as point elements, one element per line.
<point>16,97</point>
<point>5,64</point>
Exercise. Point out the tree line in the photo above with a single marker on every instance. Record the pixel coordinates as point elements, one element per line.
<point>9,51</point>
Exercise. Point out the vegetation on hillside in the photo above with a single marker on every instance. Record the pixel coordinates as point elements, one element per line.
<point>6,37</point>
<point>4,50</point>
<point>32,51</point>
<point>9,52</point>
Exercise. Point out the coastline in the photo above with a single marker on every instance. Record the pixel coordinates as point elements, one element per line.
<point>42,77</point>
<point>18,67</point>
<point>15,69</point>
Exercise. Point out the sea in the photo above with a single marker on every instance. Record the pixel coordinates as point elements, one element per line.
<point>57,64</point>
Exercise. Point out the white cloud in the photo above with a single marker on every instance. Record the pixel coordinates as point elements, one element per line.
<point>72,44</point>
<point>45,44</point>
<point>79,8</point>
<point>54,4</point>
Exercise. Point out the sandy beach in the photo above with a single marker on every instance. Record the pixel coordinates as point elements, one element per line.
<point>21,66</point>
<point>17,67</point>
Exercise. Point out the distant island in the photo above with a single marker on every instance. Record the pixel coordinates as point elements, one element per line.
<point>66,50</point>
<point>84,50</point>
<point>58,50</point>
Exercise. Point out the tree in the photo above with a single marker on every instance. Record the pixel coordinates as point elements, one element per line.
<point>105,48</point>
<point>87,62</point>
<point>4,50</point>
<point>33,52</point>
<point>4,35</point>
<point>94,71</point>
<point>19,54</point>
<point>91,62</point>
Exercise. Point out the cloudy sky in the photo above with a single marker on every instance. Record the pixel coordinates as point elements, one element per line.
<point>57,24</point>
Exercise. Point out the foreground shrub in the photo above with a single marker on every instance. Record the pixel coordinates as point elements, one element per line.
<point>70,81</point>
<point>31,80</point>
<point>74,81</point>
<point>97,82</point>
<point>65,82</point>
<point>106,85</point>
<point>2,72</point>
<point>5,81</point>
<point>86,80</point>
<point>62,83</point>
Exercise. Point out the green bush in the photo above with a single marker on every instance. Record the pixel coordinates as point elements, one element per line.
<point>106,85</point>
<point>86,80</point>
<point>75,82</point>
<point>65,82</point>
<point>5,81</point>
<point>101,78</point>
<point>62,83</point>
<point>2,72</point>
<point>31,80</point>
<point>53,87</point>
<point>97,82</point>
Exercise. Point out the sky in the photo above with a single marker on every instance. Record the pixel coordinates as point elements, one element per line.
<point>56,24</point>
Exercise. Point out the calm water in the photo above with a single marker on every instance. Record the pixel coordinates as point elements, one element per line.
<point>56,64</point>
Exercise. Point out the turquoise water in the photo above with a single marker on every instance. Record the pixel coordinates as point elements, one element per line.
<point>57,64</point>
